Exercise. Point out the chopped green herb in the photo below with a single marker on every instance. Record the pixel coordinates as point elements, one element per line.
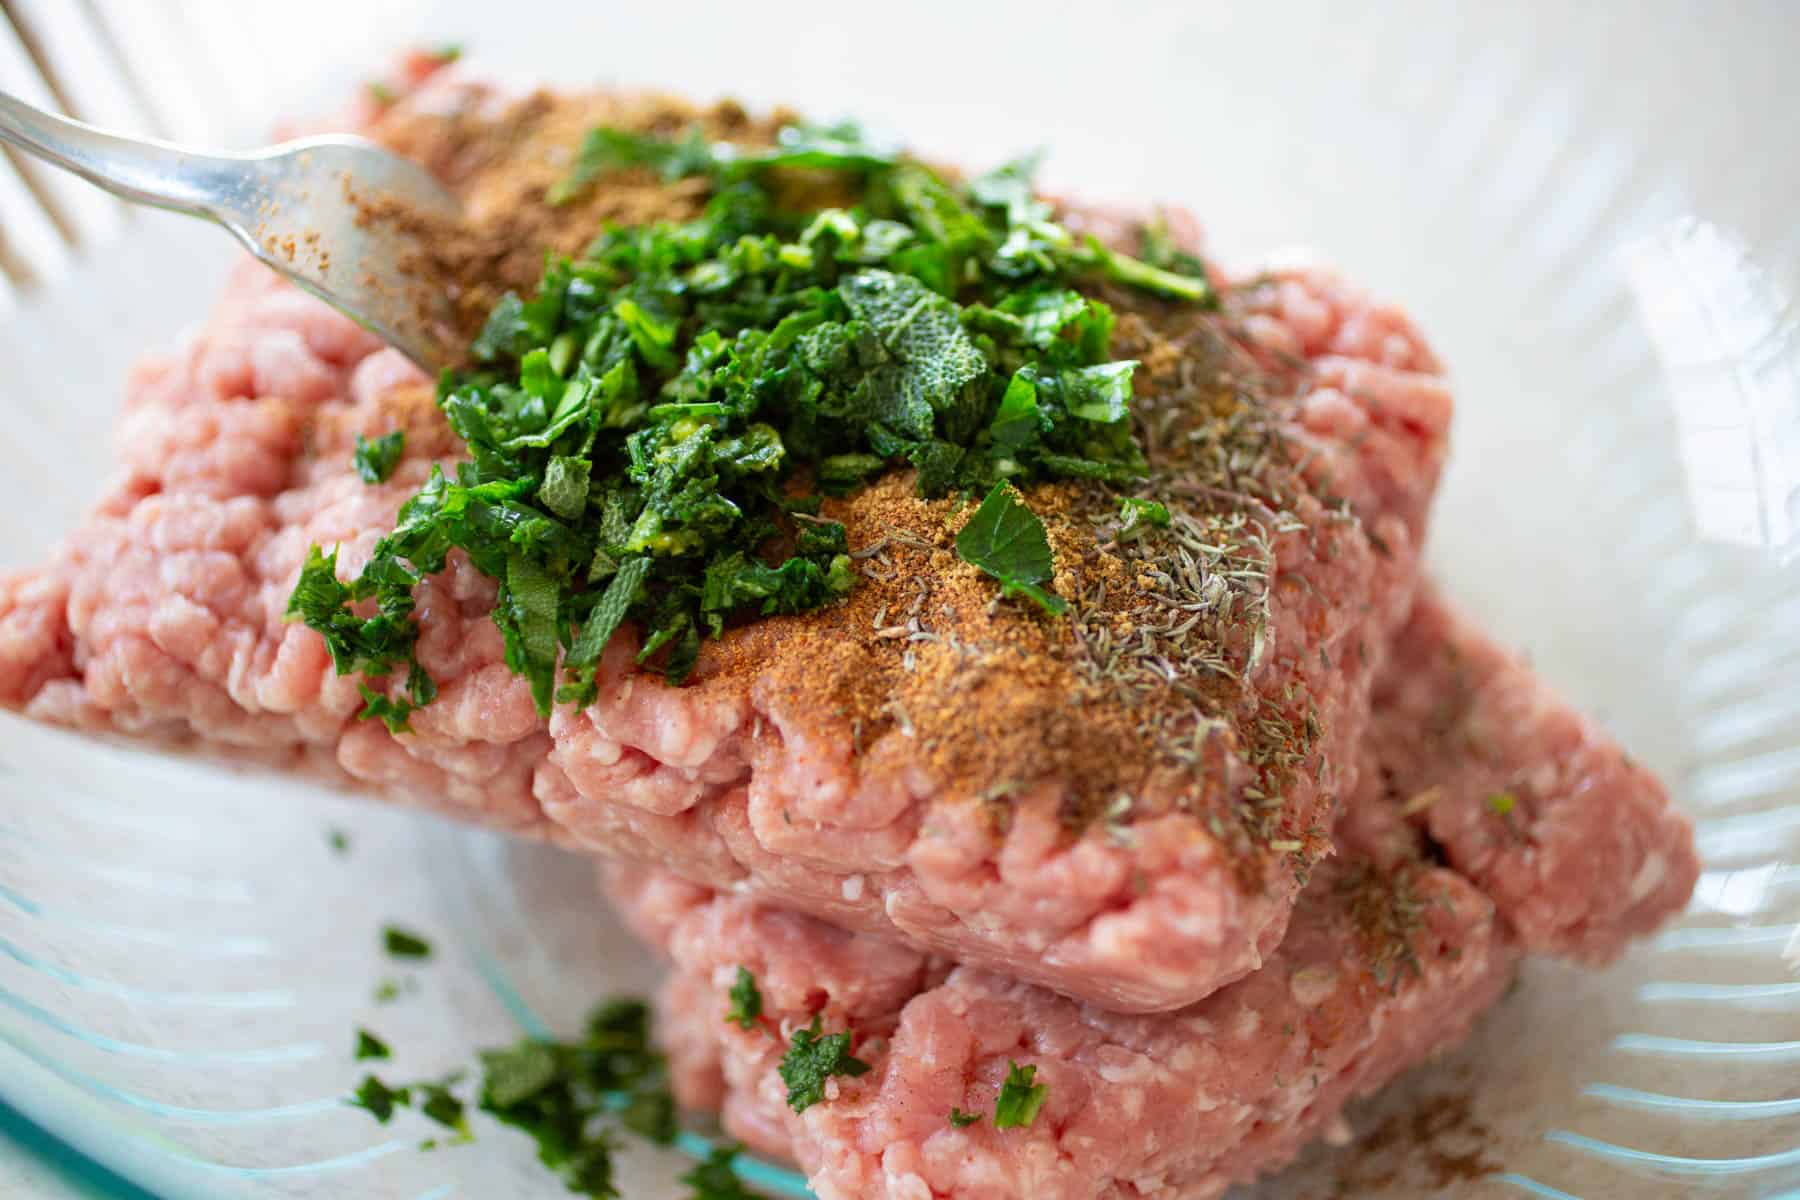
<point>369,1046</point>
<point>388,990</point>
<point>631,429</point>
<point>380,92</point>
<point>1020,1099</point>
<point>439,1104</point>
<point>379,1099</point>
<point>566,1095</point>
<point>1006,539</point>
<point>1501,803</point>
<point>1138,512</point>
<point>716,1178</point>
<point>811,1060</point>
<point>746,1001</point>
<point>402,943</point>
<point>962,1120</point>
<point>447,53</point>
<point>376,460</point>
<point>338,840</point>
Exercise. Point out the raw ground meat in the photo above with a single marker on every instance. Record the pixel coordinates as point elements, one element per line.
<point>163,617</point>
<point>1183,1104</point>
<point>1167,1105</point>
<point>1576,844</point>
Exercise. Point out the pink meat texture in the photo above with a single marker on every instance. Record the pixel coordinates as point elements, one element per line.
<point>1176,1104</point>
<point>162,617</point>
<point>1577,845</point>
<point>1185,1104</point>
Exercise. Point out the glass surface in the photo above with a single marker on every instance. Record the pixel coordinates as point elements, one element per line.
<point>183,958</point>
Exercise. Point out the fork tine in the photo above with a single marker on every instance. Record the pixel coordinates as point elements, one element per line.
<point>27,64</point>
<point>31,249</point>
<point>139,113</point>
<point>166,69</point>
<point>71,51</point>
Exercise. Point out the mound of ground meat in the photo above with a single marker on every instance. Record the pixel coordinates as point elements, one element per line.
<point>1388,959</point>
<point>1178,1104</point>
<point>163,617</point>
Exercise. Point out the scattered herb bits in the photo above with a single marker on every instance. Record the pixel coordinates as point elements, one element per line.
<point>375,460</point>
<point>369,1046</point>
<point>403,943</point>
<point>962,1120</point>
<point>1020,1098</point>
<point>811,1060</point>
<point>746,1001</point>
<point>379,1099</point>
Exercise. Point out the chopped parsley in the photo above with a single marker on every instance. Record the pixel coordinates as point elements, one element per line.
<point>338,840</point>
<point>811,1060</point>
<point>637,430</point>
<point>403,943</point>
<point>962,1120</point>
<point>571,1098</point>
<point>716,1178</point>
<point>440,1104</point>
<point>1006,539</point>
<point>1501,804</point>
<point>369,1046</point>
<point>376,460</point>
<point>746,1001</point>
<point>567,1096</point>
<point>379,1099</point>
<point>389,990</point>
<point>1020,1099</point>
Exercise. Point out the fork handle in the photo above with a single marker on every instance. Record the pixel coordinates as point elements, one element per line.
<point>144,171</point>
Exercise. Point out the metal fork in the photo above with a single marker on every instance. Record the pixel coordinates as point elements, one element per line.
<point>299,207</point>
<point>198,72</point>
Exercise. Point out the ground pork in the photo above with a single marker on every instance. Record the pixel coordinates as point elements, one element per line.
<point>1178,1104</point>
<point>1576,844</point>
<point>1184,1104</point>
<point>162,617</point>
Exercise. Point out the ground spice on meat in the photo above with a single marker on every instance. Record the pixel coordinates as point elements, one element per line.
<point>1129,696</point>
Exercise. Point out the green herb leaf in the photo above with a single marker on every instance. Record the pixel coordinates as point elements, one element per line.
<point>369,1046</point>
<point>962,1120</point>
<point>567,1095</point>
<point>379,1099</point>
<point>1006,539</point>
<point>1020,1098</point>
<point>1137,511</point>
<point>514,1075</point>
<point>811,1060</point>
<point>395,714</point>
<point>376,460</point>
<point>338,840</point>
<point>439,1104</point>
<point>1501,804</point>
<point>746,1001</point>
<point>401,943</point>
